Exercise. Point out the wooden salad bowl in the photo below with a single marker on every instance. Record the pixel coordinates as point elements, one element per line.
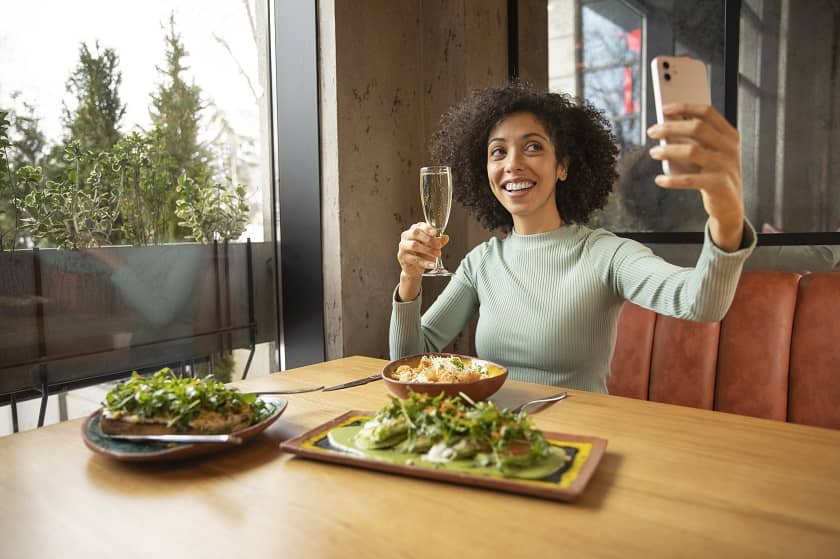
<point>476,390</point>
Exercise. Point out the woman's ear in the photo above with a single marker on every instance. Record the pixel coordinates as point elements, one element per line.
<point>562,169</point>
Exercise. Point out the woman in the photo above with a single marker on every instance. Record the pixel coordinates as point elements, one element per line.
<point>548,295</point>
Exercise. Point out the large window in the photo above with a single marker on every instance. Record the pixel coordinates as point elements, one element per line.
<point>772,72</point>
<point>136,208</point>
<point>613,43</point>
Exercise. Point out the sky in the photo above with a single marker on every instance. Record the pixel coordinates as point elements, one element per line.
<point>39,47</point>
<point>40,39</point>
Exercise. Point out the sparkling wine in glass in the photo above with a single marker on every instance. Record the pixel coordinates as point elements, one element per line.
<point>436,194</point>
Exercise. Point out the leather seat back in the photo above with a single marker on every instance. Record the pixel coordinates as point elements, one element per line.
<point>683,361</point>
<point>631,356</point>
<point>754,348</point>
<point>815,352</point>
<point>775,355</point>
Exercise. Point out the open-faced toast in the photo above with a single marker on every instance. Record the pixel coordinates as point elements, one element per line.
<point>166,404</point>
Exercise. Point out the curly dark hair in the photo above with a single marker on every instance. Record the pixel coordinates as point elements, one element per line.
<point>579,132</point>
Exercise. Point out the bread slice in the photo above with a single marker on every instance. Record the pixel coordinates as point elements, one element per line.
<point>165,404</point>
<point>205,423</point>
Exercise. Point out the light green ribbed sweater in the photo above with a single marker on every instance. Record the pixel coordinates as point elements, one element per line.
<point>548,303</point>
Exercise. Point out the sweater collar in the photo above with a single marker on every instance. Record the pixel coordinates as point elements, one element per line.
<point>563,233</point>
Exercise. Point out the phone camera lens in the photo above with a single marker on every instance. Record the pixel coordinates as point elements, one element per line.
<point>667,77</point>
<point>666,65</point>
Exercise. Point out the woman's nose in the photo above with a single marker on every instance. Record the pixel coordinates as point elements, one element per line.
<point>514,160</point>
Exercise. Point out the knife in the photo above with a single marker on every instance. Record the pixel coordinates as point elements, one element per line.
<point>357,382</point>
<point>227,439</point>
<point>287,391</point>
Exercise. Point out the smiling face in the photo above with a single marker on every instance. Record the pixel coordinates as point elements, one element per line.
<point>523,171</point>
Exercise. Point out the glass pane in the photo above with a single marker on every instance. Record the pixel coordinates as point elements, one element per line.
<point>787,101</point>
<point>608,71</point>
<point>612,42</point>
<point>138,134</point>
<point>186,70</point>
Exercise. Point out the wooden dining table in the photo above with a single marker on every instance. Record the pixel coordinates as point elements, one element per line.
<point>674,482</point>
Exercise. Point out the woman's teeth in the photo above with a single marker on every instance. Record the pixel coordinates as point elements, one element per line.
<point>514,186</point>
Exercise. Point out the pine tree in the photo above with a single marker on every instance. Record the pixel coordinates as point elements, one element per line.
<point>95,120</point>
<point>176,116</point>
<point>28,142</point>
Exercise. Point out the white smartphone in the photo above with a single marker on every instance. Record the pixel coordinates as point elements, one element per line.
<point>678,79</point>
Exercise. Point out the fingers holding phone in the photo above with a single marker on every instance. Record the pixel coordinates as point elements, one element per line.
<point>701,144</point>
<point>698,148</point>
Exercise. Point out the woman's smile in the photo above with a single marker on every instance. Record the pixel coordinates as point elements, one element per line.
<point>518,187</point>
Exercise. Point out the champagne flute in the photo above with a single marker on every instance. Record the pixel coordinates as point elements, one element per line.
<point>436,194</point>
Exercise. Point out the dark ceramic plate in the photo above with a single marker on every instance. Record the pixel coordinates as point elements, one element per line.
<point>564,484</point>
<point>153,451</point>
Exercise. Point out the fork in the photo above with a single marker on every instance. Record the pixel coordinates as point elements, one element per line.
<point>546,400</point>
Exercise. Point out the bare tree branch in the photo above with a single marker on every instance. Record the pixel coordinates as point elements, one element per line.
<point>250,20</point>
<point>238,65</point>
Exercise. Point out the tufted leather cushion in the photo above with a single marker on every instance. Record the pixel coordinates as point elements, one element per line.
<point>815,352</point>
<point>630,369</point>
<point>775,355</point>
<point>683,362</point>
<point>754,348</point>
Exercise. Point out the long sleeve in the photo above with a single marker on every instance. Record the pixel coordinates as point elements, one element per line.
<point>445,318</point>
<point>702,293</point>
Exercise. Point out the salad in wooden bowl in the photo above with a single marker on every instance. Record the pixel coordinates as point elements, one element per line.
<point>444,373</point>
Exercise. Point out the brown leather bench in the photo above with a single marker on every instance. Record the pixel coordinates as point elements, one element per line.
<point>776,353</point>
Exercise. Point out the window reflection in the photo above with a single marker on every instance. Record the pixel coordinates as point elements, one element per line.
<point>786,92</point>
<point>609,71</point>
<point>612,39</point>
<point>609,75</point>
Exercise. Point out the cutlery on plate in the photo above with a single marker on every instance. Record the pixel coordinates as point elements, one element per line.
<point>288,391</point>
<point>222,439</point>
<point>357,382</point>
<point>547,400</point>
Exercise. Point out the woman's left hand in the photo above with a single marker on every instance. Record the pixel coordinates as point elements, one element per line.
<point>717,151</point>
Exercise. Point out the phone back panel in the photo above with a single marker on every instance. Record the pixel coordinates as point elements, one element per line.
<point>678,80</point>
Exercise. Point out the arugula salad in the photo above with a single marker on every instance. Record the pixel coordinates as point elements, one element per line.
<point>444,429</point>
<point>178,401</point>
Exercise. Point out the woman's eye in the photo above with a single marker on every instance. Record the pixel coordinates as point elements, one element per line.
<point>497,152</point>
<point>533,146</point>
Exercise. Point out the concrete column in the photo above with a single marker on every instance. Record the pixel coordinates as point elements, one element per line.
<point>388,71</point>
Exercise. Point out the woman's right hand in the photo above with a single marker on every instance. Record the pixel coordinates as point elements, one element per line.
<point>417,251</point>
